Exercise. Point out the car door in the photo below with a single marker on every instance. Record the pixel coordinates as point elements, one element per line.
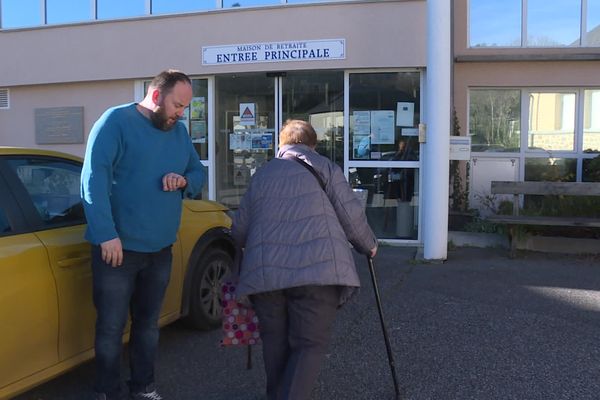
<point>52,185</point>
<point>28,296</point>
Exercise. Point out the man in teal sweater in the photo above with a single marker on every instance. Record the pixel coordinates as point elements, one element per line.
<point>139,164</point>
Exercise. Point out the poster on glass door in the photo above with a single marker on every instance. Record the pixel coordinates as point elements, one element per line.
<point>247,114</point>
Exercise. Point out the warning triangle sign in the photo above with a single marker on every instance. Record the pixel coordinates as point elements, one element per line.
<point>247,113</point>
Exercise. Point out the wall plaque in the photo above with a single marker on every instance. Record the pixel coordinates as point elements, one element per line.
<point>58,125</point>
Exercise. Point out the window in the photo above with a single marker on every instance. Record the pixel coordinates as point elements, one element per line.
<point>20,13</point>
<point>181,6</point>
<point>383,149</point>
<point>53,186</point>
<point>196,117</point>
<point>319,99</point>
<point>592,24</point>
<point>495,23</point>
<point>4,224</point>
<point>495,119</point>
<point>242,145</point>
<point>551,121</point>
<point>591,121</point>
<point>553,24</point>
<point>390,197</point>
<point>560,138</point>
<point>556,23</point>
<point>591,170</point>
<point>551,169</point>
<point>108,9</point>
<point>248,3</point>
<point>384,116</point>
<point>62,11</point>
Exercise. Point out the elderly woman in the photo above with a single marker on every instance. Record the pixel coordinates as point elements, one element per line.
<point>298,267</point>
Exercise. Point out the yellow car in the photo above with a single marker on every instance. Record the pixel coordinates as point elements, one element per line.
<point>46,309</point>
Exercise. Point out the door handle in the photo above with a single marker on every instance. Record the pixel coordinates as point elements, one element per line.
<point>74,261</point>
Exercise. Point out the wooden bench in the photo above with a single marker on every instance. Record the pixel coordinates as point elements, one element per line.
<point>545,189</point>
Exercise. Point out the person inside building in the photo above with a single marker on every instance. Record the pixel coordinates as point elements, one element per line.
<point>297,265</point>
<point>139,163</point>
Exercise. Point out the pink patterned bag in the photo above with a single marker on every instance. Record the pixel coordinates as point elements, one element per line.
<point>240,323</point>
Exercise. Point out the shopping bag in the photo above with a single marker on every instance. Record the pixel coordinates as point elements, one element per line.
<point>240,323</point>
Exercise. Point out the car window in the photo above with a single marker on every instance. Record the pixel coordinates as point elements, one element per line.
<point>4,225</point>
<point>53,186</point>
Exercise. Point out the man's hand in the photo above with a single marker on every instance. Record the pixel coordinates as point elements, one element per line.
<point>112,252</point>
<point>172,182</point>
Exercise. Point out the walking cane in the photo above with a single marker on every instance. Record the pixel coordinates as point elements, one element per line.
<point>385,334</point>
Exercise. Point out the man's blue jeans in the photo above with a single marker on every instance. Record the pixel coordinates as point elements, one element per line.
<point>137,286</point>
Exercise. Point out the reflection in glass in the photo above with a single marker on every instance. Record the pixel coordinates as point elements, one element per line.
<point>181,6</point>
<point>553,23</point>
<point>494,23</point>
<point>63,11</point>
<point>4,224</point>
<point>591,121</point>
<point>561,170</point>
<point>13,16</point>
<point>384,116</point>
<point>196,117</point>
<point>592,37</point>
<point>248,3</point>
<point>551,169</point>
<point>53,186</point>
<point>391,200</point>
<point>318,97</point>
<point>591,170</point>
<point>242,146</point>
<point>108,9</point>
<point>551,121</point>
<point>495,120</point>
<point>204,194</point>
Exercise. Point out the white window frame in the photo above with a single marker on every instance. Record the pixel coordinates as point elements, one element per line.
<point>525,153</point>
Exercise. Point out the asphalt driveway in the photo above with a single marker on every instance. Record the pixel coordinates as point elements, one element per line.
<point>479,326</point>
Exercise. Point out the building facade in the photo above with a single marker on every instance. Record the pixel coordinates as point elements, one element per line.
<point>525,93</point>
<point>526,90</point>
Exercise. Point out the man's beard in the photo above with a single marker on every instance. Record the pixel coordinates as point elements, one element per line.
<point>160,120</point>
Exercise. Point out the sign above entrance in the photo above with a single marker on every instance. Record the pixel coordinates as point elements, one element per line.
<point>296,50</point>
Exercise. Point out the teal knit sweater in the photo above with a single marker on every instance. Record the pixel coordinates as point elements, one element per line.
<point>121,181</point>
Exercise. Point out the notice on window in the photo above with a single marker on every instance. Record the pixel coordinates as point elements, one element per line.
<point>405,114</point>
<point>198,107</point>
<point>361,146</point>
<point>262,141</point>
<point>382,127</point>
<point>240,141</point>
<point>198,131</point>
<point>362,122</point>
<point>247,114</point>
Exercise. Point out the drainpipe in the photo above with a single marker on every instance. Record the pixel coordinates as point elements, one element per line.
<point>437,134</point>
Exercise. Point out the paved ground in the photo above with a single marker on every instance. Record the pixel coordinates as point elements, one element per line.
<point>479,326</point>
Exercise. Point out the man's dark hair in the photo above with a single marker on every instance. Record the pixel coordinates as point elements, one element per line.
<point>166,80</point>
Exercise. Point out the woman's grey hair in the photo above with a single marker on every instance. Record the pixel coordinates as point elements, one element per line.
<point>297,131</point>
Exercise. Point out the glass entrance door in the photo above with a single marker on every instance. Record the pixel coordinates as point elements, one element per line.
<point>383,149</point>
<point>245,132</point>
<point>366,122</point>
<point>317,97</point>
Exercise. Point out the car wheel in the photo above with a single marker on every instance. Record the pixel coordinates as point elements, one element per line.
<point>205,296</point>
